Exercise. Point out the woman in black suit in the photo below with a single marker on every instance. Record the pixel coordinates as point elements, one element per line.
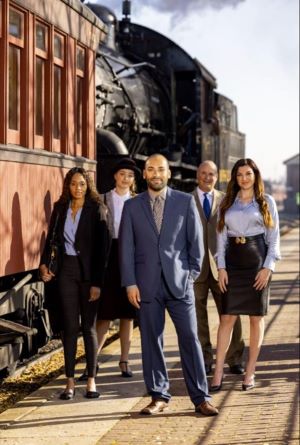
<point>78,222</point>
<point>113,303</point>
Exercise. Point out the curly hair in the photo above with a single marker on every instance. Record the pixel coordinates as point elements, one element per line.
<point>91,191</point>
<point>233,188</point>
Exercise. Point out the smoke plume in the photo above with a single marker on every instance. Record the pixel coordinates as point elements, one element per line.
<point>178,8</point>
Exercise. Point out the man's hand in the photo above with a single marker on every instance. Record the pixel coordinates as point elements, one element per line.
<point>133,295</point>
<point>223,280</point>
<point>94,293</point>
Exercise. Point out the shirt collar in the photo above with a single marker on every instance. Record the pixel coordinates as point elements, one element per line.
<point>238,199</point>
<point>163,194</point>
<point>201,193</point>
<point>121,197</point>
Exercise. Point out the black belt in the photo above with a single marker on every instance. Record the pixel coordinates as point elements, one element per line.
<point>244,239</point>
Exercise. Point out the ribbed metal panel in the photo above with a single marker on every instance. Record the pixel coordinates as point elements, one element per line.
<point>27,195</point>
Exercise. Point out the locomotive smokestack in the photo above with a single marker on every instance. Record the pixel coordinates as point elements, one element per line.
<point>125,23</point>
<point>126,10</point>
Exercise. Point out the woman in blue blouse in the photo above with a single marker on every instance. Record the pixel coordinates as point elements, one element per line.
<point>78,223</point>
<point>248,246</point>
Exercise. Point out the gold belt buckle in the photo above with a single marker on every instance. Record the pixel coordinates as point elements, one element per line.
<point>240,240</point>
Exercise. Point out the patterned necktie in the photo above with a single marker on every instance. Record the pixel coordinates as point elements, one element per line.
<point>158,212</point>
<point>206,206</point>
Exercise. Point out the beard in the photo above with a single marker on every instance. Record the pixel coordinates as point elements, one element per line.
<point>156,187</point>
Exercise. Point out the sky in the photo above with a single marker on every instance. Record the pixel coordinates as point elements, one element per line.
<point>252,48</point>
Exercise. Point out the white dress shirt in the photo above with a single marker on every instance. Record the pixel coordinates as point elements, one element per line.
<point>118,204</point>
<point>210,196</point>
<point>246,220</point>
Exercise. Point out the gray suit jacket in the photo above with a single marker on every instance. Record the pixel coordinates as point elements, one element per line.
<point>209,235</point>
<point>176,252</point>
<point>107,199</point>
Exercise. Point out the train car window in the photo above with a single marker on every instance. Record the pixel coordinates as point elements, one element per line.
<point>15,62</point>
<point>41,77</point>
<point>40,37</point>
<point>58,50</point>
<point>57,102</point>
<point>0,19</point>
<point>39,96</point>
<point>79,103</point>
<point>14,88</point>
<point>80,59</point>
<point>80,72</point>
<point>58,89</point>
<point>15,23</point>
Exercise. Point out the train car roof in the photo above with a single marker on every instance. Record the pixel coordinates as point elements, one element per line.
<point>57,13</point>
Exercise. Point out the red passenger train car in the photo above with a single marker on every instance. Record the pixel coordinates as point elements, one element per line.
<point>47,114</point>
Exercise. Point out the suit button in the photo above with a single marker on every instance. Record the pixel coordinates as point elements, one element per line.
<point>78,252</point>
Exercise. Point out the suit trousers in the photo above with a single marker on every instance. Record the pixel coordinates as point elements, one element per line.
<point>74,294</point>
<point>151,322</point>
<point>235,352</point>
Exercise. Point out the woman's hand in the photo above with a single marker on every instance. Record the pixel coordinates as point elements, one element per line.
<point>262,279</point>
<point>94,293</point>
<point>133,295</point>
<point>223,280</point>
<point>45,273</point>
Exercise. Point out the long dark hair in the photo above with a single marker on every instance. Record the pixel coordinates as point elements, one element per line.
<point>233,188</point>
<point>91,192</point>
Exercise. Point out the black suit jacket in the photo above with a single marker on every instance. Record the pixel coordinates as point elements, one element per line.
<point>91,240</point>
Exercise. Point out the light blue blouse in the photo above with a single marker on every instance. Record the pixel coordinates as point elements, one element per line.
<point>70,230</point>
<point>246,220</point>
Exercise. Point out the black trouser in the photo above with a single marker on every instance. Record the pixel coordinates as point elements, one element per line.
<point>74,294</point>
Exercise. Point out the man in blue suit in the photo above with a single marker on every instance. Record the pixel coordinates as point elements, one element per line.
<point>161,250</point>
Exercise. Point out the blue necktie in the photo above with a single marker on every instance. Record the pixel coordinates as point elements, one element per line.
<point>206,206</point>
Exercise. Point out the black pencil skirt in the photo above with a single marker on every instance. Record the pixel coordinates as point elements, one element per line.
<point>243,261</point>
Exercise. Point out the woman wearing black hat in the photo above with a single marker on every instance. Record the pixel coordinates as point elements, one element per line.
<point>113,302</point>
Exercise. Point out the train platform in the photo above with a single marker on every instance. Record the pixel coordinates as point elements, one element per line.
<point>267,415</point>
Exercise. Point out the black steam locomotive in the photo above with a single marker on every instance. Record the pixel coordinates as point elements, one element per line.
<point>151,96</point>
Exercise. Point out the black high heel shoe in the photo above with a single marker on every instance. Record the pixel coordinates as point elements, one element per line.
<point>216,388</point>
<point>92,395</point>
<point>247,387</point>
<point>67,394</point>
<point>127,372</point>
<point>84,376</point>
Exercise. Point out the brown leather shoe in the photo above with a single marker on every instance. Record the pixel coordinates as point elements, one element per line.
<point>156,406</point>
<point>207,409</point>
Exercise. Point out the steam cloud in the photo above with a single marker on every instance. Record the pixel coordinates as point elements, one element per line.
<point>178,8</point>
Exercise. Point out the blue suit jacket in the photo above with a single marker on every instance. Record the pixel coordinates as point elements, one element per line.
<point>177,251</point>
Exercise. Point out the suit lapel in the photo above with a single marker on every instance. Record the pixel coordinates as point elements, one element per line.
<point>215,203</point>
<point>110,206</point>
<point>62,210</point>
<point>145,201</point>
<point>109,200</point>
<point>169,206</point>
<point>199,207</point>
<point>83,220</point>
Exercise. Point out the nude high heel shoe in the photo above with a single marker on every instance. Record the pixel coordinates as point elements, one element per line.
<point>251,385</point>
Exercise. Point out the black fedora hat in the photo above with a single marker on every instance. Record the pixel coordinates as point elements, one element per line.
<point>128,164</point>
